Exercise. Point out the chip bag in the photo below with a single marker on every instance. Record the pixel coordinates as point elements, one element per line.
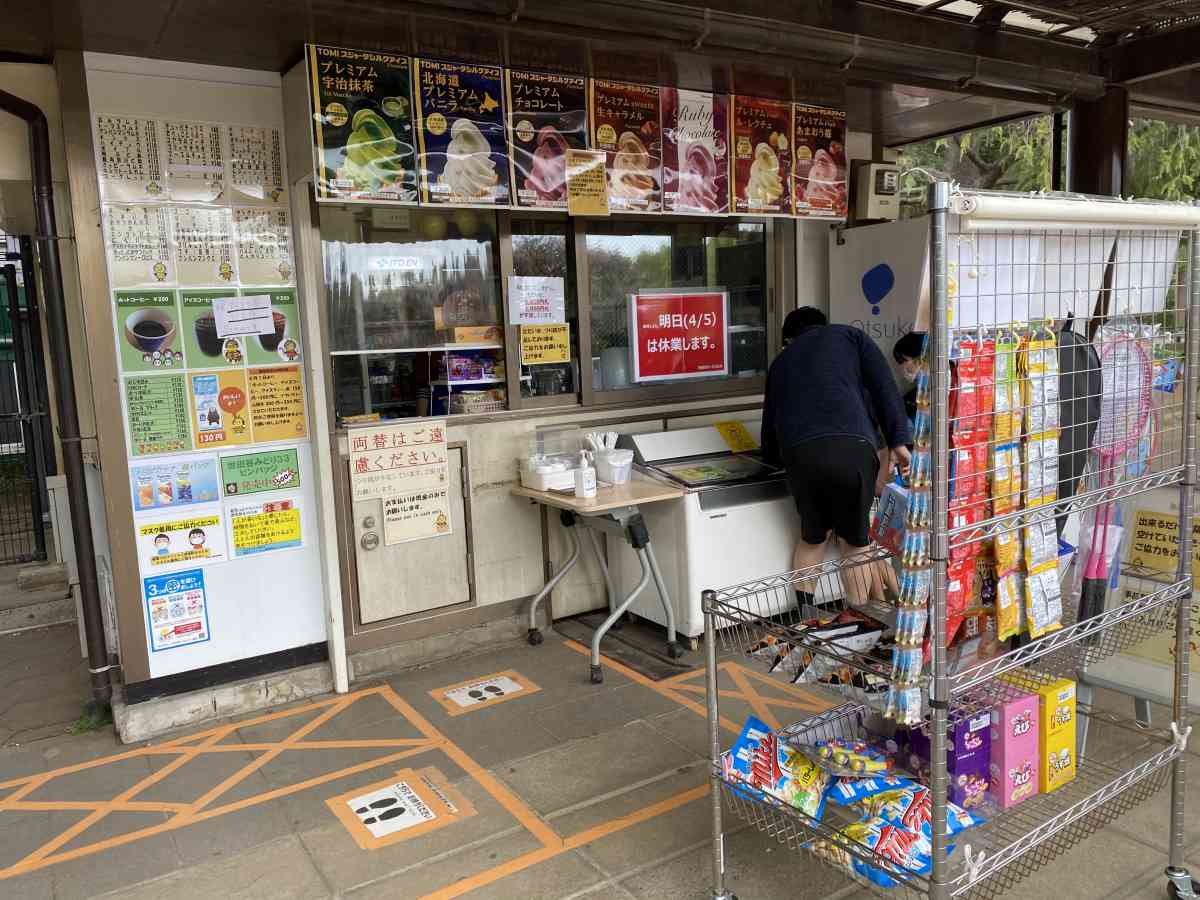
<point>764,763</point>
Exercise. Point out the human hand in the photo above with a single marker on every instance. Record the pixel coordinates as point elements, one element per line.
<point>902,458</point>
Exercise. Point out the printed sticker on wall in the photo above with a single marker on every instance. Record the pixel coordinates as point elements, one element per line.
<point>156,408</point>
<point>282,342</point>
<point>476,693</point>
<point>264,527</point>
<point>148,331</point>
<point>204,346</point>
<point>172,483</point>
<point>277,403</point>
<point>409,804</point>
<point>257,473</point>
<point>220,413</point>
<point>167,543</point>
<point>176,609</point>
<point>139,246</point>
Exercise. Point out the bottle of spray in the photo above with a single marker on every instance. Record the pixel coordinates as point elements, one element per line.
<point>585,478</point>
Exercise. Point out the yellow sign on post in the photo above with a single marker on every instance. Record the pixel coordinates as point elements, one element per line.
<point>542,344</point>
<point>587,188</point>
<point>739,439</point>
<point>1155,542</point>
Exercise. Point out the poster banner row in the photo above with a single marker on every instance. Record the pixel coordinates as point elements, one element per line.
<point>388,127</point>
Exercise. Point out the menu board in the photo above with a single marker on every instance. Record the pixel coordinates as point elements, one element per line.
<point>283,344</point>
<point>204,347</point>
<point>762,160</point>
<point>277,403</point>
<point>139,245</point>
<point>148,330</point>
<point>128,159</point>
<point>256,164</point>
<point>624,120</point>
<point>547,116</point>
<point>156,413</point>
<point>362,125</point>
<point>195,161</point>
<point>264,245</point>
<point>203,238</point>
<point>695,139</point>
<point>461,135</point>
<point>819,175</point>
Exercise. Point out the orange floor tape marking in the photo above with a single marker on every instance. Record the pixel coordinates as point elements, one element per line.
<point>761,709</point>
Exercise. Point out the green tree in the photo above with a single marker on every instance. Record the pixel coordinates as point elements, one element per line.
<point>1163,160</point>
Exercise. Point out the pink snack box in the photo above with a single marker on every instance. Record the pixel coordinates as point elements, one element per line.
<point>1015,754</point>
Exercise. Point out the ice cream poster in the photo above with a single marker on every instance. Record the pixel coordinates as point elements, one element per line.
<point>695,138</point>
<point>625,123</point>
<point>762,160</point>
<point>362,125</point>
<point>819,181</point>
<point>461,133</point>
<point>165,543</point>
<point>547,116</point>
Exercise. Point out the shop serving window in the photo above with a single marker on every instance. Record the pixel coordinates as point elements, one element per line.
<point>416,323</point>
<point>676,302</point>
<point>541,248</point>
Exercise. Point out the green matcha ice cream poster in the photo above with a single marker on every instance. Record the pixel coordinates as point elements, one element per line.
<point>362,125</point>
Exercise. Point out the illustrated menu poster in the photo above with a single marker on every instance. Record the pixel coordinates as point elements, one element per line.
<point>156,409</point>
<point>277,403</point>
<point>129,161</point>
<point>256,173</point>
<point>625,123</point>
<point>362,125</point>
<point>416,515</point>
<point>195,161</point>
<point>461,134</point>
<point>262,527</point>
<point>282,345</point>
<point>172,483</point>
<point>176,609</point>
<point>819,180</point>
<point>148,330</point>
<point>679,335</point>
<point>139,245</point>
<point>395,459</point>
<point>547,116</point>
<point>204,347</point>
<point>257,473</point>
<point>166,543</point>
<point>203,238</point>
<point>762,159</point>
<point>220,416</point>
<point>264,245</point>
<point>695,129</point>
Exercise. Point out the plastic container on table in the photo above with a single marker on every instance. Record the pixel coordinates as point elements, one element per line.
<point>614,466</point>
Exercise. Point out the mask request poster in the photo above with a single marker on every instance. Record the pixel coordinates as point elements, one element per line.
<point>547,117</point>
<point>695,139</point>
<point>461,134</point>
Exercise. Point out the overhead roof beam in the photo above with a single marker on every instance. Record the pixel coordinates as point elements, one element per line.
<point>1154,55</point>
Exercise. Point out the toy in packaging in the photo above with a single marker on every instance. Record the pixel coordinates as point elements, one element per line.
<point>968,757</point>
<point>1056,728</point>
<point>764,763</point>
<point>1015,753</point>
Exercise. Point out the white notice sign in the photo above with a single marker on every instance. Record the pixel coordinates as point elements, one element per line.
<point>536,300</point>
<point>240,316</point>
<point>483,691</point>
<point>391,809</point>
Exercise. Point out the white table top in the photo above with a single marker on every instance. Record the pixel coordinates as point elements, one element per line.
<point>632,493</point>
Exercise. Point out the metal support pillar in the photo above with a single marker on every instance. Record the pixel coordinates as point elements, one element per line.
<point>1098,135</point>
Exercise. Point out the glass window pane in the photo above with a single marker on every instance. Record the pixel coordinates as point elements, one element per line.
<point>543,247</point>
<point>627,257</point>
<point>414,311</point>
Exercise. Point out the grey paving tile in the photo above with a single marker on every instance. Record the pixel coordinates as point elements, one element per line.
<point>1149,821</point>
<point>562,876</point>
<point>572,719</point>
<point>115,868</point>
<point>21,833</point>
<point>96,783</point>
<point>493,737</point>
<point>37,886</point>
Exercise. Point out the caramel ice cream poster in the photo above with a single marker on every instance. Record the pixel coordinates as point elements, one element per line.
<point>462,144</point>
<point>625,123</point>
<point>547,116</point>
<point>819,173</point>
<point>695,139</point>
<point>362,125</point>
<point>762,159</point>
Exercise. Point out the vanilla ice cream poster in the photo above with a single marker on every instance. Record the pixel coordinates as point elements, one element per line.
<point>625,124</point>
<point>695,138</point>
<point>762,155</point>
<point>547,116</point>
<point>362,125</point>
<point>819,173</point>
<point>463,148</point>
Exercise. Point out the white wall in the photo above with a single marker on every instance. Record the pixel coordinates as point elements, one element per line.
<point>35,83</point>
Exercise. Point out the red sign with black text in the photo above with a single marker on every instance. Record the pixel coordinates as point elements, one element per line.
<point>679,335</point>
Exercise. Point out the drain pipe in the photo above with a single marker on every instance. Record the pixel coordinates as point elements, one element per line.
<point>68,413</point>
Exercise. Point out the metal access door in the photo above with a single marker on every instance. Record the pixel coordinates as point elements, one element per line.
<point>418,576</point>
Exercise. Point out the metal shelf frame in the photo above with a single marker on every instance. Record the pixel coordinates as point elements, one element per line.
<point>744,618</point>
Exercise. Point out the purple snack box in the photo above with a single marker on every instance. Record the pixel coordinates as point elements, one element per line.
<point>968,757</point>
<point>1015,754</point>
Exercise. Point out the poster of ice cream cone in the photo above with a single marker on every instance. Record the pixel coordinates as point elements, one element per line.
<point>762,157</point>
<point>361,104</point>
<point>547,116</point>
<point>624,121</point>
<point>695,140</point>
<point>819,173</point>
<point>220,414</point>
<point>461,136</point>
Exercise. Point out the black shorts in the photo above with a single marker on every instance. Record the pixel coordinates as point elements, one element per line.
<point>833,482</point>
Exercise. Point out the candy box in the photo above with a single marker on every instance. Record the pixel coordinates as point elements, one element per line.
<point>887,526</point>
<point>1015,750</point>
<point>968,756</point>
<point>1056,729</point>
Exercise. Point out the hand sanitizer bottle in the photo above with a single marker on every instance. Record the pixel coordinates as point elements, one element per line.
<point>585,478</point>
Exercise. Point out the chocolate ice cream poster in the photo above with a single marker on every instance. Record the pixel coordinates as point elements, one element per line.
<point>463,147</point>
<point>762,160</point>
<point>625,123</point>
<point>819,182</point>
<point>695,137</point>
<point>362,125</point>
<point>547,116</point>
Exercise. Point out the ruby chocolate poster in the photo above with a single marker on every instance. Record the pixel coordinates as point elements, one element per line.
<point>762,159</point>
<point>819,174</point>
<point>695,151</point>
<point>463,147</point>
<point>547,115</point>
<point>624,121</point>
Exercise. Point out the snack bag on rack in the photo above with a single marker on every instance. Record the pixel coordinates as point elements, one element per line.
<point>888,524</point>
<point>1043,600</point>
<point>900,846</point>
<point>764,763</point>
<point>964,514</point>
<point>960,593</point>
<point>1010,597</point>
<point>1006,399</point>
<point>1041,544</point>
<point>1006,478</point>
<point>913,809</point>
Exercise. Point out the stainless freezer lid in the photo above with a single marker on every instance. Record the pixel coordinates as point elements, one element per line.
<point>698,457</point>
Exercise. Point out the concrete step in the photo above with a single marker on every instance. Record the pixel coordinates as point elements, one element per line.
<point>35,609</point>
<point>42,576</point>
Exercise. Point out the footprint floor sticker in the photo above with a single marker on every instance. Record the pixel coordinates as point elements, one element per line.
<point>392,809</point>
<point>487,690</point>
<point>406,806</point>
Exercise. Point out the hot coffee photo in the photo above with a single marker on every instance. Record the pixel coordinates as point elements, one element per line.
<point>148,324</point>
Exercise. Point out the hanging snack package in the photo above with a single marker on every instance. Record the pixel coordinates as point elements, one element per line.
<point>1007,402</point>
<point>763,762</point>
<point>1041,544</point>
<point>1006,478</point>
<point>1043,600</point>
<point>960,591</point>
<point>1010,595</point>
<point>1007,550</point>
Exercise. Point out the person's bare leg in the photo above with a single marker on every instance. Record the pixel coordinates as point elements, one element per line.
<point>866,582</point>
<point>805,556</point>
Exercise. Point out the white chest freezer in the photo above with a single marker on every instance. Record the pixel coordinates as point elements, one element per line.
<point>736,523</point>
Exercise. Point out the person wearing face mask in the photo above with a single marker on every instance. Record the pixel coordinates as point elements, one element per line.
<point>907,354</point>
